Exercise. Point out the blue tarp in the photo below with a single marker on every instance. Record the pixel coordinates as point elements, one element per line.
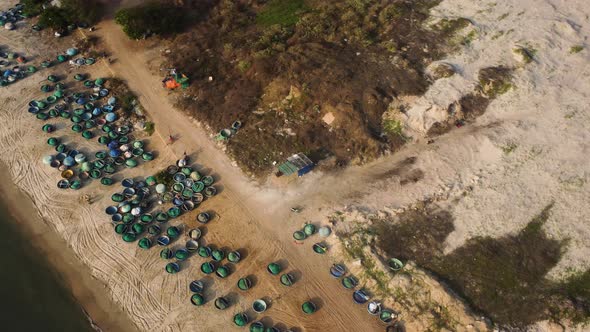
<point>305,170</point>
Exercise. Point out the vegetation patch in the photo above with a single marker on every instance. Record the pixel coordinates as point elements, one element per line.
<point>150,128</point>
<point>69,12</point>
<point>495,81</point>
<point>151,18</point>
<point>505,278</point>
<point>165,177</point>
<point>281,12</point>
<point>509,148</point>
<point>349,59</point>
<point>527,54</point>
<point>442,70</point>
<point>576,49</point>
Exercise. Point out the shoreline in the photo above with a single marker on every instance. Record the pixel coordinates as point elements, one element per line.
<point>87,292</point>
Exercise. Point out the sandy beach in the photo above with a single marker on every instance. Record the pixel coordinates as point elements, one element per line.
<point>248,219</point>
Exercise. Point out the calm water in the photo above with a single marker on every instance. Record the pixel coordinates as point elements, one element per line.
<point>31,296</point>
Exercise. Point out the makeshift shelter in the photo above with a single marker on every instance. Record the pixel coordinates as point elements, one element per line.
<point>129,237</point>
<point>47,160</point>
<point>63,184</point>
<point>175,81</point>
<point>297,163</point>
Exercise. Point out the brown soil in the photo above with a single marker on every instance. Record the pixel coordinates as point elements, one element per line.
<point>280,80</point>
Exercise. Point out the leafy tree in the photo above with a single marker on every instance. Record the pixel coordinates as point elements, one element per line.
<point>33,7</point>
<point>153,17</point>
<point>54,18</point>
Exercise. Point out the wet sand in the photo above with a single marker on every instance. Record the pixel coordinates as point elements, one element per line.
<point>88,292</point>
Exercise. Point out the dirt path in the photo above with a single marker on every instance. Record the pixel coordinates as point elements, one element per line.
<point>250,216</point>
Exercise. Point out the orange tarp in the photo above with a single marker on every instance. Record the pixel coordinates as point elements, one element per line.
<point>172,84</point>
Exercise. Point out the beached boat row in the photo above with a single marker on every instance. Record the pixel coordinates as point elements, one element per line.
<point>89,112</point>
<point>361,296</point>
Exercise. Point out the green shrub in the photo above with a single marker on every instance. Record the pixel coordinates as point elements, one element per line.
<point>393,127</point>
<point>244,65</point>
<point>32,7</point>
<point>283,12</point>
<point>70,12</point>
<point>164,177</point>
<point>87,11</point>
<point>576,49</point>
<point>151,18</point>
<point>150,127</point>
<point>54,18</point>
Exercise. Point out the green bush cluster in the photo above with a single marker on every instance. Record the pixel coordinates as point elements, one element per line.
<point>69,12</point>
<point>283,12</point>
<point>150,18</point>
<point>33,7</point>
